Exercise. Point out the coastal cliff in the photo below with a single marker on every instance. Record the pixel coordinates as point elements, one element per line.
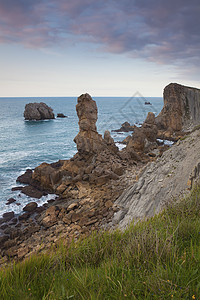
<point>181,111</point>
<point>101,187</point>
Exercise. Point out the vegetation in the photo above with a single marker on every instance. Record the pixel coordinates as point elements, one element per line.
<point>155,259</point>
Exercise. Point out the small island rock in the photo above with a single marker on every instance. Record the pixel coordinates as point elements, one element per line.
<point>60,115</point>
<point>38,111</point>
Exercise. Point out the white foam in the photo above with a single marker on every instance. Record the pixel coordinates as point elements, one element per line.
<point>120,146</point>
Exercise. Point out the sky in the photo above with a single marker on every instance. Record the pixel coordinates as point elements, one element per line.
<point>64,48</point>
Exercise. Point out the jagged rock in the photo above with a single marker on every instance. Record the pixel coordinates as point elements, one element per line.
<point>50,216</point>
<point>161,181</point>
<point>125,127</point>
<point>26,177</point>
<point>88,140</point>
<point>143,138</point>
<point>181,111</point>
<point>38,111</point>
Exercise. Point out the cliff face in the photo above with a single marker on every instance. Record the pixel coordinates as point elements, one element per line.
<point>161,181</point>
<point>181,111</point>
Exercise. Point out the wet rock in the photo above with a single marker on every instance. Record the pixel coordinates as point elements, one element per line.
<point>60,115</point>
<point>17,188</point>
<point>32,192</point>
<point>30,207</point>
<point>38,111</point>
<point>26,177</point>
<point>24,216</point>
<point>8,216</point>
<point>10,201</point>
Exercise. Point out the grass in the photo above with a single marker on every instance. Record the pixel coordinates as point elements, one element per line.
<point>155,259</point>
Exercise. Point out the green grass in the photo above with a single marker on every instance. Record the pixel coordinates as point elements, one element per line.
<point>155,259</point>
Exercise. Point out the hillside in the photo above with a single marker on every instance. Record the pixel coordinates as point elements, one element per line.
<point>156,259</point>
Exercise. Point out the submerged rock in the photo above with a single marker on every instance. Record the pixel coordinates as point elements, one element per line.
<point>38,111</point>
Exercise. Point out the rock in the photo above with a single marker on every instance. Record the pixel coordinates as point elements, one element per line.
<point>88,140</point>
<point>181,111</point>
<point>26,177</point>
<point>50,216</point>
<point>38,111</point>
<point>60,115</point>
<point>3,239</point>
<point>125,127</point>
<point>30,207</point>
<point>10,201</point>
<point>24,216</point>
<point>17,188</point>
<point>110,142</point>
<point>32,192</point>
<point>9,215</point>
<point>72,206</point>
<point>161,181</point>
<point>22,252</point>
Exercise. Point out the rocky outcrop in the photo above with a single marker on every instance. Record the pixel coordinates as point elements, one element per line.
<point>38,111</point>
<point>61,115</point>
<point>143,138</point>
<point>161,181</point>
<point>125,127</point>
<point>88,140</point>
<point>181,111</point>
<point>97,161</point>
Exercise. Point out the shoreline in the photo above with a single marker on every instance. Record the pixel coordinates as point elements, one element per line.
<point>96,186</point>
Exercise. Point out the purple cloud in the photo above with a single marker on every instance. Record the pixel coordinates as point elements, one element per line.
<point>157,30</point>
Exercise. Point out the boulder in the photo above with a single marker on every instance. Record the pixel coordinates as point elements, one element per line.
<point>8,216</point>
<point>38,111</point>
<point>30,207</point>
<point>10,201</point>
<point>26,177</point>
<point>60,115</point>
<point>32,192</point>
<point>181,110</point>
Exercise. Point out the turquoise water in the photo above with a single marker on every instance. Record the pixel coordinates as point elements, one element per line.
<point>26,144</point>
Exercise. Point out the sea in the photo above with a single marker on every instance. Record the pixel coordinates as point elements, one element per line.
<point>26,144</point>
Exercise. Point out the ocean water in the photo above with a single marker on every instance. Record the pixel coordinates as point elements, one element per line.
<point>26,144</point>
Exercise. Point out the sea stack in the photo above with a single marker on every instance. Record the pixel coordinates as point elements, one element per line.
<point>88,140</point>
<point>38,111</point>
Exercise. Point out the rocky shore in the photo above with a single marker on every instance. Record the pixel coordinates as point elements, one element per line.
<point>101,187</point>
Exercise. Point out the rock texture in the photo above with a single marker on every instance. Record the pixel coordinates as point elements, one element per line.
<point>181,111</point>
<point>88,140</point>
<point>38,111</point>
<point>176,171</point>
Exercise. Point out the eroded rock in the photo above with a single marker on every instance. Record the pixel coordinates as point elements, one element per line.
<point>38,111</point>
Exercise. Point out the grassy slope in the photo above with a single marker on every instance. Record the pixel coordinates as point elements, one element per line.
<point>156,259</point>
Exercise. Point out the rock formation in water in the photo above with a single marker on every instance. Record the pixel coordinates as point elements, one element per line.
<point>97,161</point>
<point>181,111</point>
<point>38,111</point>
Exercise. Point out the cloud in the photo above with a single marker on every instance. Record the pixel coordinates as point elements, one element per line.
<point>165,32</point>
